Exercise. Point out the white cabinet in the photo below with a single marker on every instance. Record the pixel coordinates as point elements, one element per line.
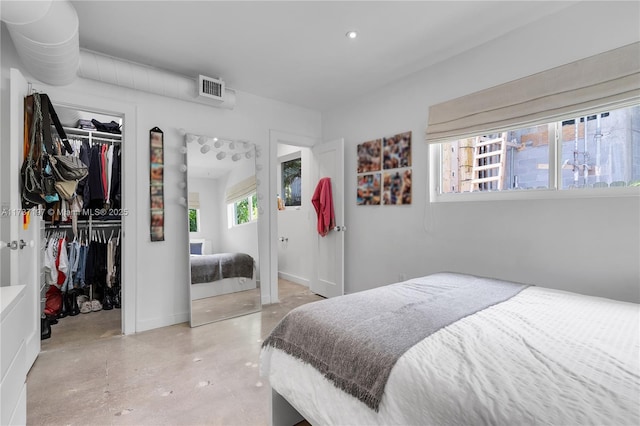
<point>14,316</point>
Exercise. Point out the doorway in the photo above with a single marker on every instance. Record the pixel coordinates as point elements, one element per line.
<point>294,189</point>
<point>322,255</point>
<point>87,231</point>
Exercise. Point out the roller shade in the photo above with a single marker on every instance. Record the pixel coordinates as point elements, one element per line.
<point>610,79</point>
<point>194,200</point>
<point>242,189</point>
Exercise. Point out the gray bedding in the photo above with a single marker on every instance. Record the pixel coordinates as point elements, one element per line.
<point>355,340</point>
<point>214,267</point>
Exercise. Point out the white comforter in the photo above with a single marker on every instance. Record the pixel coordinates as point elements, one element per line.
<point>542,357</point>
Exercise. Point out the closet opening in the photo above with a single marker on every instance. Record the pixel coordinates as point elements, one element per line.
<point>82,240</point>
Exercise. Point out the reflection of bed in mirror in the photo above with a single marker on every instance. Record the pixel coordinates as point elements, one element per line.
<point>223,285</point>
<point>221,273</point>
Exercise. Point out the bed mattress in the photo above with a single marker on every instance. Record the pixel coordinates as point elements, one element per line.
<point>543,356</point>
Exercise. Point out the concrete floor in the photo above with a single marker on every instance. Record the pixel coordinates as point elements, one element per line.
<point>210,309</point>
<point>89,374</point>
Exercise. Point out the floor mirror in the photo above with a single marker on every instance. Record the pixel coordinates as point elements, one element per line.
<point>222,212</point>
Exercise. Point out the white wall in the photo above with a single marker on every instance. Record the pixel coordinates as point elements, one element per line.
<point>160,271</point>
<point>538,242</point>
<point>294,255</point>
<point>210,220</point>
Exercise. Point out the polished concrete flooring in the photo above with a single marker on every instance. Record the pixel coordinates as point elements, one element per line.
<point>88,374</point>
<point>224,306</point>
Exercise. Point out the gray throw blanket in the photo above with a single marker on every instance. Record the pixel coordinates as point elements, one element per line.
<point>213,267</point>
<point>355,340</point>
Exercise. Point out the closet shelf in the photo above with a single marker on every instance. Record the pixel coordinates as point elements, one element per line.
<point>92,133</point>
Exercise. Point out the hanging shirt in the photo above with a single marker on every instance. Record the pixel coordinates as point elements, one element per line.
<point>114,195</point>
<point>93,193</point>
<point>50,255</point>
<point>62,262</point>
<point>104,171</point>
<point>109,168</point>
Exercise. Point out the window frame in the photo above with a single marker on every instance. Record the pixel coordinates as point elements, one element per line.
<point>551,193</point>
<point>231,211</point>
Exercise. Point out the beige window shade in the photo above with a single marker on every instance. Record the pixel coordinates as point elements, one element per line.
<point>194,200</point>
<point>610,79</point>
<point>242,189</point>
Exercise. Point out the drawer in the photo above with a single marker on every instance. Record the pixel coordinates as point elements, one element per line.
<point>13,331</point>
<point>11,386</point>
<point>19,417</point>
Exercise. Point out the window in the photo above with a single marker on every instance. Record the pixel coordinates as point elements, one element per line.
<point>599,150</point>
<point>291,185</point>
<point>194,220</point>
<point>243,211</point>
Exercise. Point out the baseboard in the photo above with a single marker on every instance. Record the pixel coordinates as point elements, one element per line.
<point>150,324</point>
<point>293,278</point>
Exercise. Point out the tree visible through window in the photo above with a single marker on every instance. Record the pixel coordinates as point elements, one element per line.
<point>292,182</point>
<point>244,210</point>
<point>193,220</point>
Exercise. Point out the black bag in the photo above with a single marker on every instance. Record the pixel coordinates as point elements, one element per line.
<point>32,193</point>
<point>112,127</point>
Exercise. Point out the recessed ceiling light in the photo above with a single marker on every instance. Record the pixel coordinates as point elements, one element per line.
<point>352,34</point>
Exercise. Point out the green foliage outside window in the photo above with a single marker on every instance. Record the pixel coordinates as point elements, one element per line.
<point>245,210</point>
<point>242,211</point>
<point>254,207</point>
<point>193,220</point>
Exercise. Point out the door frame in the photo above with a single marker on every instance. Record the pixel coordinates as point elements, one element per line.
<point>68,98</point>
<point>276,137</point>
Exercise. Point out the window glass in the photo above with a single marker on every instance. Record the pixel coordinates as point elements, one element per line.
<point>601,150</point>
<point>292,182</point>
<point>595,151</point>
<point>193,220</point>
<point>243,211</point>
<point>517,159</point>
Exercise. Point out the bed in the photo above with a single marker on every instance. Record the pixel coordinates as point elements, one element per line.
<point>221,273</point>
<point>508,354</point>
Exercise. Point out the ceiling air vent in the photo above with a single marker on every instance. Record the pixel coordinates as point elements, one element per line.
<point>211,88</point>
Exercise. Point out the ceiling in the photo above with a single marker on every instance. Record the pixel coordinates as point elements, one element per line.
<point>297,52</point>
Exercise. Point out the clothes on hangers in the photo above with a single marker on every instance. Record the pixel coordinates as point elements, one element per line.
<point>115,196</point>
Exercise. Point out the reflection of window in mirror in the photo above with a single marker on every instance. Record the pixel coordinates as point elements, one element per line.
<point>291,182</point>
<point>243,211</point>
<point>194,220</point>
<point>194,211</point>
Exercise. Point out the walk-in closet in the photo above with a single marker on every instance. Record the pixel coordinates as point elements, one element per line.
<point>82,240</point>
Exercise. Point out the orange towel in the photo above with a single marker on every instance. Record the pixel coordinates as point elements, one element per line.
<point>322,200</point>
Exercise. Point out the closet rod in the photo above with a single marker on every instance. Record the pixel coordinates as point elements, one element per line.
<point>105,225</point>
<point>93,138</point>
<point>84,224</point>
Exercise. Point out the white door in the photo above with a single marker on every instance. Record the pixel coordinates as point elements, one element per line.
<point>327,272</point>
<point>23,261</point>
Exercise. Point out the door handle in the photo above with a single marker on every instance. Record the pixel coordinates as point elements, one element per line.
<point>13,245</point>
<point>339,228</point>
